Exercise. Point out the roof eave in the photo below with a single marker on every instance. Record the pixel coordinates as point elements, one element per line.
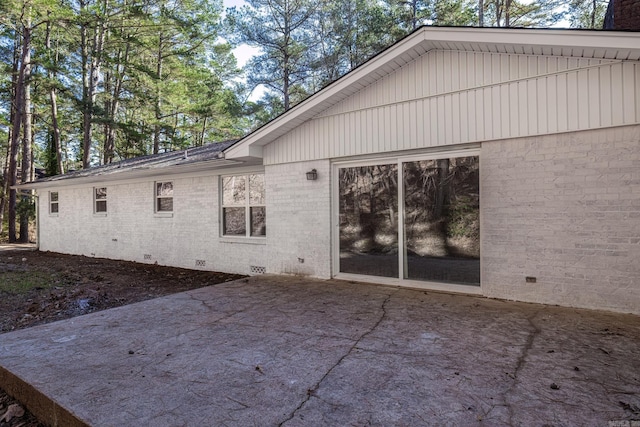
<point>129,174</point>
<point>563,41</point>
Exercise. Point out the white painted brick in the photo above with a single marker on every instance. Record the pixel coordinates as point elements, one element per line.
<point>299,213</point>
<point>567,220</point>
<point>191,234</point>
<point>563,208</point>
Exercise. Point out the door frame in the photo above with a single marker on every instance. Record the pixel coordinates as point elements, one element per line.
<point>400,280</point>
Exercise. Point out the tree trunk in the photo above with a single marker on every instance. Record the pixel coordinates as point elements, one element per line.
<point>158,106</point>
<point>86,106</point>
<point>286,88</point>
<point>286,72</point>
<point>442,201</point>
<point>414,15</point>
<point>55,131</point>
<point>27,134</point>
<point>7,173</point>
<point>498,8</point>
<point>507,13</point>
<point>114,105</point>
<point>15,133</point>
<point>91,62</point>
<point>204,130</point>
<point>480,13</point>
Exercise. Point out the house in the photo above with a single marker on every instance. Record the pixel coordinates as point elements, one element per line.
<point>497,162</point>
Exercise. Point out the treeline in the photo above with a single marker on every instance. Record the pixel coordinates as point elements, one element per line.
<point>306,44</point>
<point>87,82</point>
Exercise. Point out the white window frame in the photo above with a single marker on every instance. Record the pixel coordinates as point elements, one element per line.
<point>156,197</point>
<point>55,202</point>
<point>247,205</point>
<point>400,280</point>
<point>96,200</point>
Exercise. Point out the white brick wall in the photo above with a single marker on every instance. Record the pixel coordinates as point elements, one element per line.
<point>131,229</point>
<point>564,209</point>
<point>298,224</point>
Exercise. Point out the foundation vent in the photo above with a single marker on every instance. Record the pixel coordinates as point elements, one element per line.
<point>254,269</point>
<point>201,263</point>
<point>147,256</point>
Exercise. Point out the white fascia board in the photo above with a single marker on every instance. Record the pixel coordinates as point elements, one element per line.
<point>585,39</point>
<point>135,173</point>
<point>426,38</point>
<point>247,151</point>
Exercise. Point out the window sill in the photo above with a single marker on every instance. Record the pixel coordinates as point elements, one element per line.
<point>244,240</point>
<point>100,214</point>
<point>163,215</point>
<point>55,215</point>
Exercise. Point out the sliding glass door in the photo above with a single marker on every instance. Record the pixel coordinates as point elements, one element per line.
<point>369,220</point>
<point>442,220</point>
<point>416,219</point>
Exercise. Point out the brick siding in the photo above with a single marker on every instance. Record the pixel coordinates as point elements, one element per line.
<point>298,228</point>
<point>130,230</point>
<point>564,209</point>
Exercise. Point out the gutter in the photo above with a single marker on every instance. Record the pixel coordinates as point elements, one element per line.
<point>133,173</point>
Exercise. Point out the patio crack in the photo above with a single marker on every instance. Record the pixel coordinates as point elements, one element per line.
<point>522,360</point>
<point>312,391</point>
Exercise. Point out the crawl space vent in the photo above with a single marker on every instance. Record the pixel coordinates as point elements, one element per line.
<point>254,269</point>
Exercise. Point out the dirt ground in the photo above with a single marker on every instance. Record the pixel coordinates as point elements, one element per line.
<point>42,287</point>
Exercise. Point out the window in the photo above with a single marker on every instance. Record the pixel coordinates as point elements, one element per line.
<point>426,229</point>
<point>164,196</point>
<point>100,200</point>
<point>53,202</point>
<point>243,206</point>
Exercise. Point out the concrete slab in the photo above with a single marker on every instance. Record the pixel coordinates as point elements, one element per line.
<point>299,352</point>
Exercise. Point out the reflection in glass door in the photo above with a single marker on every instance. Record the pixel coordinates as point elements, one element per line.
<point>368,199</point>
<point>439,232</point>
<point>442,220</point>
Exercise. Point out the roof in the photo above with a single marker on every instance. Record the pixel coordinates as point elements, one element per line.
<point>188,160</point>
<point>568,43</point>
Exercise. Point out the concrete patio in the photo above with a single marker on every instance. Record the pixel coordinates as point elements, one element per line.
<point>299,352</point>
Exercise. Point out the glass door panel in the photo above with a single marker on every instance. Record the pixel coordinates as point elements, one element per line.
<point>442,220</point>
<point>368,211</point>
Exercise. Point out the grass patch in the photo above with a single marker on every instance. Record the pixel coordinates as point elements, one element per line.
<point>21,282</point>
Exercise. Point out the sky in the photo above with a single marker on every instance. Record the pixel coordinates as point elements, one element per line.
<point>244,52</point>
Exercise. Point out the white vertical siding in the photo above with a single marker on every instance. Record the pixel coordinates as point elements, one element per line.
<point>452,97</point>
